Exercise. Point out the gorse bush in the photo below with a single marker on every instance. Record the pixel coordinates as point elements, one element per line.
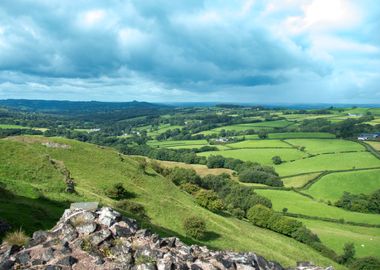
<point>132,207</point>
<point>190,188</point>
<point>195,227</point>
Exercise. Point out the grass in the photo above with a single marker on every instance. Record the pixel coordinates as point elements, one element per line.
<point>341,161</point>
<point>5,126</point>
<point>18,238</point>
<point>332,186</point>
<point>263,156</point>
<point>375,145</point>
<point>182,143</point>
<point>296,135</point>
<point>269,125</point>
<point>259,144</point>
<point>95,169</point>
<point>366,240</point>
<point>300,204</point>
<point>318,146</point>
<point>299,180</point>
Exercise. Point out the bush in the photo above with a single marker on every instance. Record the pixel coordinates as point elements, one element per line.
<point>195,227</point>
<point>190,188</point>
<point>366,263</point>
<point>18,238</point>
<point>180,176</point>
<point>216,161</point>
<point>209,200</point>
<point>118,192</point>
<point>348,254</point>
<point>131,207</point>
<point>238,213</point>
<point>276,160</point>
<point>259,215</point>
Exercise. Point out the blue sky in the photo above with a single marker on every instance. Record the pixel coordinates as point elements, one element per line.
<point>290,51</point>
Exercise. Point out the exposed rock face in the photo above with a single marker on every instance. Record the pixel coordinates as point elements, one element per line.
<point>103,239</point>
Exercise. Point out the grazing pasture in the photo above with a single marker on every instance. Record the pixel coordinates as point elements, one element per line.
<point>296,135</point>
<point>263,156</point>
<point>299,180</point>
<point>332,186</point>
<point>319,163</point>
<point>299,204</point>
<point>366,240</point>
<point>259,144</point>
<point>319,146</point>
<point>375,145</point>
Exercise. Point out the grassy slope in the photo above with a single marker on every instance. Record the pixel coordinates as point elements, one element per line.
<point>332,186</point>
<point>95,169</point>
<point>299,204</point>
<point>259,144</point>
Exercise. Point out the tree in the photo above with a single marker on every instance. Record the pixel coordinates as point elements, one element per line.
<point>348,253</point>
<point>284,210</point>
<point>276,160</point>
<point>263,134</point>
<point>195,227</point>
<point>259,215</point>
<point>215,161</point>
<point>366,263</point>
<point>209,200</point>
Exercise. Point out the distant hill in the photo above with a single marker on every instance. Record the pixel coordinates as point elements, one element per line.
<point>71,107</point>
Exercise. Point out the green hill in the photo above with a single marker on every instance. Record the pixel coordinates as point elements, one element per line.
<point>33,196</point>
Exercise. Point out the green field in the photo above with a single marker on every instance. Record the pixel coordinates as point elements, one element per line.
<point>95,169</point>
<point>296,135</point>
<point>299,180</point>
<point>263,156</point>
<point>259,144</point>
<point>269,125</point>
<point>332,186</point>
<point>5,126</point>
<point>375,145</point>
<point>168,144</point>
<point>319,146</point>
<point>300,204</point>
<point>341,161</point>
<point>366,240</point>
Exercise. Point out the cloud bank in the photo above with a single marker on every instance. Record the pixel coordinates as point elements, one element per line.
<point>240,51</point>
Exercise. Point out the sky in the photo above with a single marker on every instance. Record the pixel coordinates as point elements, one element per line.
<point>257,51</point>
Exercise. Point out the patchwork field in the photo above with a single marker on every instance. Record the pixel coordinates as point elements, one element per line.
<point>259,144</point>
<point>319,146</point>
<point>332,186</point>
<point>299,204</point>
<point>299,180</point>
<point>375,145</point>
<point>341,161</point>
<point>263,156</point>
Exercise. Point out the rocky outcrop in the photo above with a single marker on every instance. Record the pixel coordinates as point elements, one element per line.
<point>103,239</point>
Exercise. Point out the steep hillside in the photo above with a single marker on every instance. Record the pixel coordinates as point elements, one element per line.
<point>34,173</point>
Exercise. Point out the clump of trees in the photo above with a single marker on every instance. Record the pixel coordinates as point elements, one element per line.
<point>276,160</point>
<point>249,172</point>
<point>264,217</point>
<point>195,227</point>
<point>360,202</point>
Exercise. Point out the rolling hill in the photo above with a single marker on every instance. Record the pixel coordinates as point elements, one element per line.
<point>32,187</point>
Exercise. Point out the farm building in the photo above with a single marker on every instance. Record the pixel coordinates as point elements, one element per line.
<point>369,136</point>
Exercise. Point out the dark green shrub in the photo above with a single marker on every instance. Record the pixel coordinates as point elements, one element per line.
<point>118,192</point>
<point>190,188</point>
<point>238,213</point>
<point>209,200</point>
<point>181,175</point>
<point>366,263</point>
<point>259,215</point>
<point>216,161</point>
<point>195,227</point>
<point>276,160</point>
<point>348,254</point>
<point>132,207</point>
